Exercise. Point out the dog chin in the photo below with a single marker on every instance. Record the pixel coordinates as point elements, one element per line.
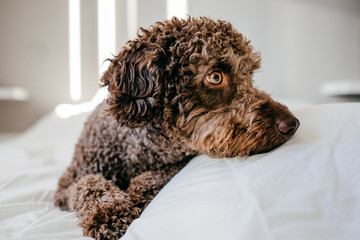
<point>263,144</point>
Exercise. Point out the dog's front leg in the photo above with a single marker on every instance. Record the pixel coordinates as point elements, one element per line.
<point>144,187</point>
<point>104,211</point>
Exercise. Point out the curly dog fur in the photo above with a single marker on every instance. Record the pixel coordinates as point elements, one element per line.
<point>182,88</point>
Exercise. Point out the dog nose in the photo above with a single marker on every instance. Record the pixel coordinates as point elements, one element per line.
<point>287,126</point>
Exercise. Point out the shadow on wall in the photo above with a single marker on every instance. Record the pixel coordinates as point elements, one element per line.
<point>35,56</point>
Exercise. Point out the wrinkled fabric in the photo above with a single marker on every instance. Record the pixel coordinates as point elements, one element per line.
<point>31,165</point>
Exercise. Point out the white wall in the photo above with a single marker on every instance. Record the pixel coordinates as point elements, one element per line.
<point>304,43</point>
<point>34,54</point>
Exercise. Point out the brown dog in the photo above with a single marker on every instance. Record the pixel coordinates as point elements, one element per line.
<point>182,88</point>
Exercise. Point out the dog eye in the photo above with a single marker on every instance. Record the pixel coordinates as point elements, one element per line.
<point>214,78</point>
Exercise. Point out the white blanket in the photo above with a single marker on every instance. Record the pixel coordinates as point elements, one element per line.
<point>30,168</point>
<point>306,189</point>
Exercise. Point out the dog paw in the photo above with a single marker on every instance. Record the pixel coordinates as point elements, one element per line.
<point>109,221</point>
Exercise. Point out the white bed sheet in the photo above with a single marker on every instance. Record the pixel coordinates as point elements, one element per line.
<point>30,167</point>
<point>306,189</point>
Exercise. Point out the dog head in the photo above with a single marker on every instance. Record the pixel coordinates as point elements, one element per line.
<point>194,77</point>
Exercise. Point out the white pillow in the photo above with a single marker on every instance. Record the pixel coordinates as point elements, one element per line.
<point>306,189</point>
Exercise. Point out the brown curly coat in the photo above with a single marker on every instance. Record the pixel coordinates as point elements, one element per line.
<point>162,111</point>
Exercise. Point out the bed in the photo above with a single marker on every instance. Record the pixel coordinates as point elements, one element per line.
<point>305,189</point>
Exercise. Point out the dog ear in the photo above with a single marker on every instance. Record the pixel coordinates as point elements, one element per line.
<point>133,81</point>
